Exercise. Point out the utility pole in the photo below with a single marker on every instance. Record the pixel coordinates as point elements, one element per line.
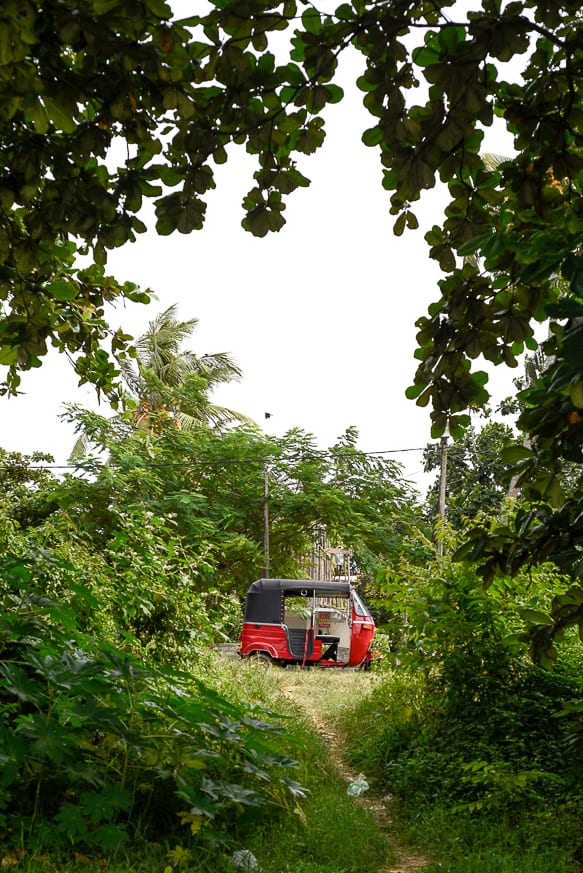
<point>266,570</point>
<point>442,489</point>
<point>266,520</point>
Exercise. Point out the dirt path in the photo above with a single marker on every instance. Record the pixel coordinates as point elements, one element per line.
<point>321,695</point>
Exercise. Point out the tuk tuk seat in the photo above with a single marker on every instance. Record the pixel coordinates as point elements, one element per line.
<point>331,653</point>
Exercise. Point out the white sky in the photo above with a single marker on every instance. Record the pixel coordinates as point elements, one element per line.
<point>320,317</point>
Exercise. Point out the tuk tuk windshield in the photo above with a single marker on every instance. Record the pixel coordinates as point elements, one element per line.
<point>359,607</point>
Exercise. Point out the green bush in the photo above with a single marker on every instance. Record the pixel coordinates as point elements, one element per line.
<point>467,718</point>
<point>97,749</point>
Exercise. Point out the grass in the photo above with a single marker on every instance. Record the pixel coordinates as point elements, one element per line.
<point>464,843</point>
<point>325,832</point>
<point>493,862</point>
<point>332,833</point>
<point>372,713</point>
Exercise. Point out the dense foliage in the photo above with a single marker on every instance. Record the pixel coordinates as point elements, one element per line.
<point>114,580</point>
<point>465,726</point>
<point>477,477</point>
<point>210,488</point>
<point>98,747</point>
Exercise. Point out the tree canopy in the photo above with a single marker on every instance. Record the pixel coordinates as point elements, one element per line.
<point>210,485</point>
<point>476,475</point>
<point>177,93</point>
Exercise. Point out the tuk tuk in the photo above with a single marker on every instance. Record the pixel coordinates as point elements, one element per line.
<point>306,622</point>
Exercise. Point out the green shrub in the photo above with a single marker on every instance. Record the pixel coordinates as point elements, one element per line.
<point>97,749</point>
<point>467,718</point>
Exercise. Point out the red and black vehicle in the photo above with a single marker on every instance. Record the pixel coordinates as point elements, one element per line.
<point>306,622</point>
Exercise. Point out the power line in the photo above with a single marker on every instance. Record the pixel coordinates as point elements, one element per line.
<point>313,456</point>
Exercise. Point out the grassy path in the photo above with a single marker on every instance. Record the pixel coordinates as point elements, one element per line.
<point>321,696</point>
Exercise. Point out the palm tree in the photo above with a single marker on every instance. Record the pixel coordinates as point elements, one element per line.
<point>168,381</point>
<point>168,384</point>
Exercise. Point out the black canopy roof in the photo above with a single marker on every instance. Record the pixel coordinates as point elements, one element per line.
<point>265,596</point>
<point>298,585</point>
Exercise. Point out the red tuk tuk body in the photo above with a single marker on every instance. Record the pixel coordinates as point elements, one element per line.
<point>306,622</point>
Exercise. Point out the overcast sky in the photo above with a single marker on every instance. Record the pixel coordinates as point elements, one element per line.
<point>320,317</point>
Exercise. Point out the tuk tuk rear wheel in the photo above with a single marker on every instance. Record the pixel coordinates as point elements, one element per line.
<point>261,658</point>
